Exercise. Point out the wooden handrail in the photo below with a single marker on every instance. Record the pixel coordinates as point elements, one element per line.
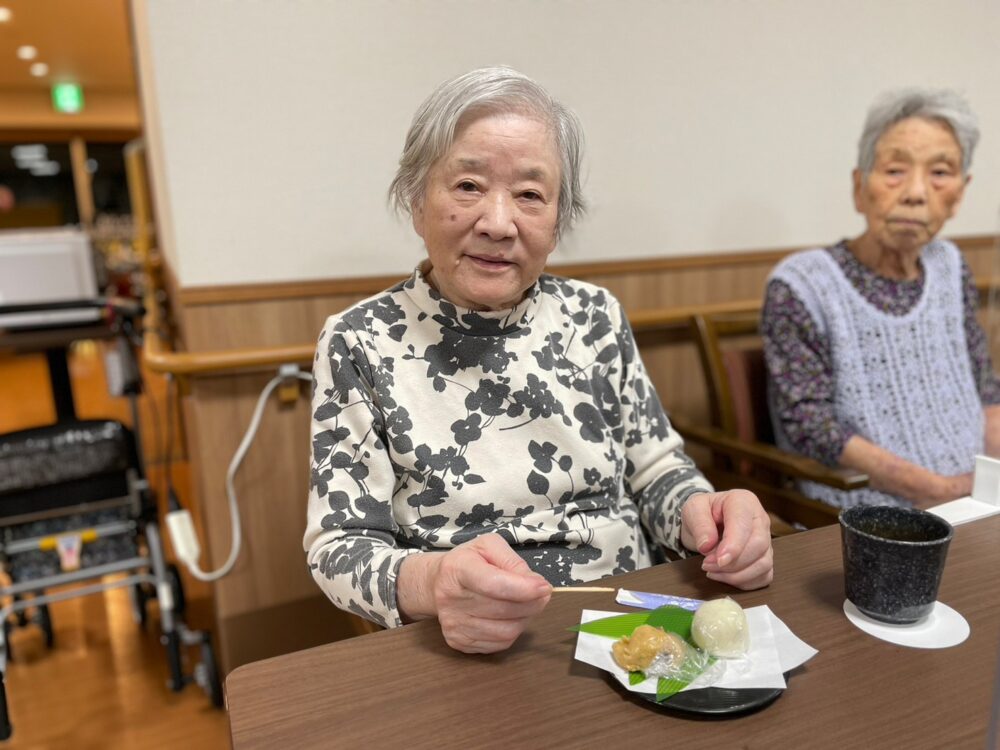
<point>184,364</point>
<point>227,360</point>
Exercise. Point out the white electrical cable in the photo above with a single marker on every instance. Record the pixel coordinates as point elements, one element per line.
<point>182,534</point>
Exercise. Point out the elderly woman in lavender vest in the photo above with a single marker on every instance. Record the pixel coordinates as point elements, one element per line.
<point>483,431</point>
<point>875,357</point>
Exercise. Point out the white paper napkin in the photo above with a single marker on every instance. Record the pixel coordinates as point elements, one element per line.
<point>985,498</point>
<point>963,510</point>
<point>774,649</point>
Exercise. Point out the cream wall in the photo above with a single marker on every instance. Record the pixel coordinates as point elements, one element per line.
<point>712,125</point>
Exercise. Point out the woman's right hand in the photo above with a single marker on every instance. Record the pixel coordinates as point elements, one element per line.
<point>897,476</point>
<point>482,593</point>
<point>950,488</point>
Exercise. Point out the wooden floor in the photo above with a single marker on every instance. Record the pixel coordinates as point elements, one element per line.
<point>104,683</point>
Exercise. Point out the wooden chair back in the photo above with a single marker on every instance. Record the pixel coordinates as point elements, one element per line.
<point>732,358</point>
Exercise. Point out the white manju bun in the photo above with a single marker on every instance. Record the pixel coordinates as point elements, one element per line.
<point>720,628</point>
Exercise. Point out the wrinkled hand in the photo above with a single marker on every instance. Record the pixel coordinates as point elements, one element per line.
<point>945,488</point>
<point>733,532</point>
<point>482,593</point>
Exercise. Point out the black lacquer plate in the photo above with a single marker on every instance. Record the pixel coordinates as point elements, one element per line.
<point>713,701</point>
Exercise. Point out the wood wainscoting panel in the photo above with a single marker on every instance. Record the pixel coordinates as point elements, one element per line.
<point>259,323</point>
<point>268,604</point>
<point>292,314</point>
<point>298,320</point>
<point>271,486</point>
<point>743,265</point>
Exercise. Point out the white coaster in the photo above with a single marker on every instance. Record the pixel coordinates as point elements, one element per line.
<point>942,628</point>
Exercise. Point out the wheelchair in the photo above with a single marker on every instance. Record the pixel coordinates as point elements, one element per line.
<point>78,517</point>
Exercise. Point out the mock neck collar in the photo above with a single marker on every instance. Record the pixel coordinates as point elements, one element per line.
<point>468,321</point>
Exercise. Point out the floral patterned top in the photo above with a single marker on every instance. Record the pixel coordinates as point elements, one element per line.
<point>433,424</point>
<point>800,363</point>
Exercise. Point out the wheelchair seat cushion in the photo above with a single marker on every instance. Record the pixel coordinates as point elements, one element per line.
<point>63,452</point>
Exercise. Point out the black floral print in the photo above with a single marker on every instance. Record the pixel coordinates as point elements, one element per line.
<point>434,424</point>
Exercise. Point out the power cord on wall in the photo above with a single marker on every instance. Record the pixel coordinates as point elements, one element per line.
<point>179,522</point>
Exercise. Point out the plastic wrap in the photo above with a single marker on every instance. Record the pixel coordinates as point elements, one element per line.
<point>657,653</point>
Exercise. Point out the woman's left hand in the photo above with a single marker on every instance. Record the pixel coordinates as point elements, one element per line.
<point>733,532</point>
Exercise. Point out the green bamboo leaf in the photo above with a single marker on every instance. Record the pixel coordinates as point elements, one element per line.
<point>613,627</point>
<point>668,687</point>
<point>669,618</point>
<point>634,678</point>
<point>673,620</point>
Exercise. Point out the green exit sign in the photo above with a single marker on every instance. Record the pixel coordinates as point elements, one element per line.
<point>67,97</point>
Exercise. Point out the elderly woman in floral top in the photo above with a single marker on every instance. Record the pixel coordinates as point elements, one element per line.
<point>875,356</point>
<point>483,431</point>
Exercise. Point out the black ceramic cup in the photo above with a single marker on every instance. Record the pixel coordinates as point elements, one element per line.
<point>893,560</point>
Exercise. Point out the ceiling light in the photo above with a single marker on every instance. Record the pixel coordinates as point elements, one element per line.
<point>30,152</point>
<point>39,69</point>
<point>26,52</point>
<point>45,169</point>
<point>5,14</point>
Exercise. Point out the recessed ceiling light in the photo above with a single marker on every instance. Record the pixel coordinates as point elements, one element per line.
<point>29,151</point>
<point>45,169</point>
<point>5,14</point>
<point>27,52</point>
<point>39,69</point>
<point>27,155</point>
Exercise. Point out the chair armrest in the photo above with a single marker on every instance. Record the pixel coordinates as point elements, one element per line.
<point>770,456</point>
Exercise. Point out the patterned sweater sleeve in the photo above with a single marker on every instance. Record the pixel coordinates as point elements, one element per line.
<point>800,369</point>
<point>350,538</point>
<point>659,475</point>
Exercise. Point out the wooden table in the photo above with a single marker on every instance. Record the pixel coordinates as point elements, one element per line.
<point>405,688</point>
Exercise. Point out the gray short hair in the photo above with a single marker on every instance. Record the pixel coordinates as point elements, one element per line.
<point>487,90</point>
<point>895,106</point>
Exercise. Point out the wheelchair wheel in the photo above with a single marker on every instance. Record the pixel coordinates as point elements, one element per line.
<point>206,673</point>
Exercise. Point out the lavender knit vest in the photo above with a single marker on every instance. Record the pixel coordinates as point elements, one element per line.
<point>903,382</point>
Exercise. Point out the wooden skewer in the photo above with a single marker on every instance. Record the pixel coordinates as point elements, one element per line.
<point>580,589</point>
